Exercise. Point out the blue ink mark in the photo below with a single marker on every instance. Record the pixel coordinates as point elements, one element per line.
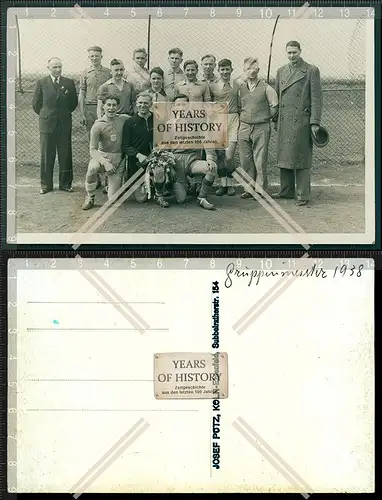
<point>56,322</point>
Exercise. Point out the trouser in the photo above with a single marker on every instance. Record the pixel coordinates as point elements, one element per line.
<point>253,151</point>
<point>225,160</point>
<point>59,141</point>
<point>90,116</point>
<point>295,183</point>
<point>114,180</point>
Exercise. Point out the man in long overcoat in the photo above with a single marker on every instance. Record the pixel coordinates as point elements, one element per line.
<point>298,85</point>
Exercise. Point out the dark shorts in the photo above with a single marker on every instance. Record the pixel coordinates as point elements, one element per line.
<point>184,164</point>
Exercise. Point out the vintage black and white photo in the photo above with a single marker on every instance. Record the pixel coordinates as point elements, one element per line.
<point>298,166</point>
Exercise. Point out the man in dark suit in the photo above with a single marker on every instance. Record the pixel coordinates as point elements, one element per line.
<point>54,100</point>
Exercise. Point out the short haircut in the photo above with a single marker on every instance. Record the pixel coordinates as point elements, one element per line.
<point>250,60</point>
<point>176,50</point>
<point>182,96</point>
<point>190,61</point>
<point>157,70</point>
<point>293,43</point>
<point>51,59</point>
<point>115,62</point>
<point>208,56</point>
<point>224,62</point>
<point>111,96</point>
<point>95,48</point>
<point>145,93</point>
<point>135,51</point>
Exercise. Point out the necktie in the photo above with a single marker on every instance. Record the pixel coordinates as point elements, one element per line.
<point>56,81</point>
<point>226,89</point>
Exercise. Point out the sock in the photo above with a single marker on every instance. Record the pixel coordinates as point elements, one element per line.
<point>158,189</point>
<point>229,181</point>
<point>222,167</point>
<point>206,184</point>
<point>223,181</point>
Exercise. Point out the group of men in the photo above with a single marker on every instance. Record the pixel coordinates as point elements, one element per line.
<point>116,109</point>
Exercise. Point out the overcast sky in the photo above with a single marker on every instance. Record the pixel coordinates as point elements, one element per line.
<point>337,47</point>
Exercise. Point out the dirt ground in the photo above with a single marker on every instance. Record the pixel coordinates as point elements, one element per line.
<point>337,206</point>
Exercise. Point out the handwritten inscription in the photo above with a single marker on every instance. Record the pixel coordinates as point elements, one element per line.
<point>254,276</point>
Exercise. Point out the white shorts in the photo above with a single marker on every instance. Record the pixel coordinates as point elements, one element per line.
<point>233,126</point>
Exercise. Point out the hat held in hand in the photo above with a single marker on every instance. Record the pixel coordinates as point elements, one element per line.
<point>321,138</point>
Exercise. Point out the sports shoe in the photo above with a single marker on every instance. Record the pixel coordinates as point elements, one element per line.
<point>162,202</point>
<point>221,191</point>
<point>206,204</point>
<point>246,195</point>
<point>89,203</point>
<point>278,196</point>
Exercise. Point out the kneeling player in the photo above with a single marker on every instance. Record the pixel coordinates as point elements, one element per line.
<point>189,163</point>
<point>137,144</point>
<point>105,151</point>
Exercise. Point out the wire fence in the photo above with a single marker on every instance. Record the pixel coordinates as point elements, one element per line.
<point>339,53</point>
